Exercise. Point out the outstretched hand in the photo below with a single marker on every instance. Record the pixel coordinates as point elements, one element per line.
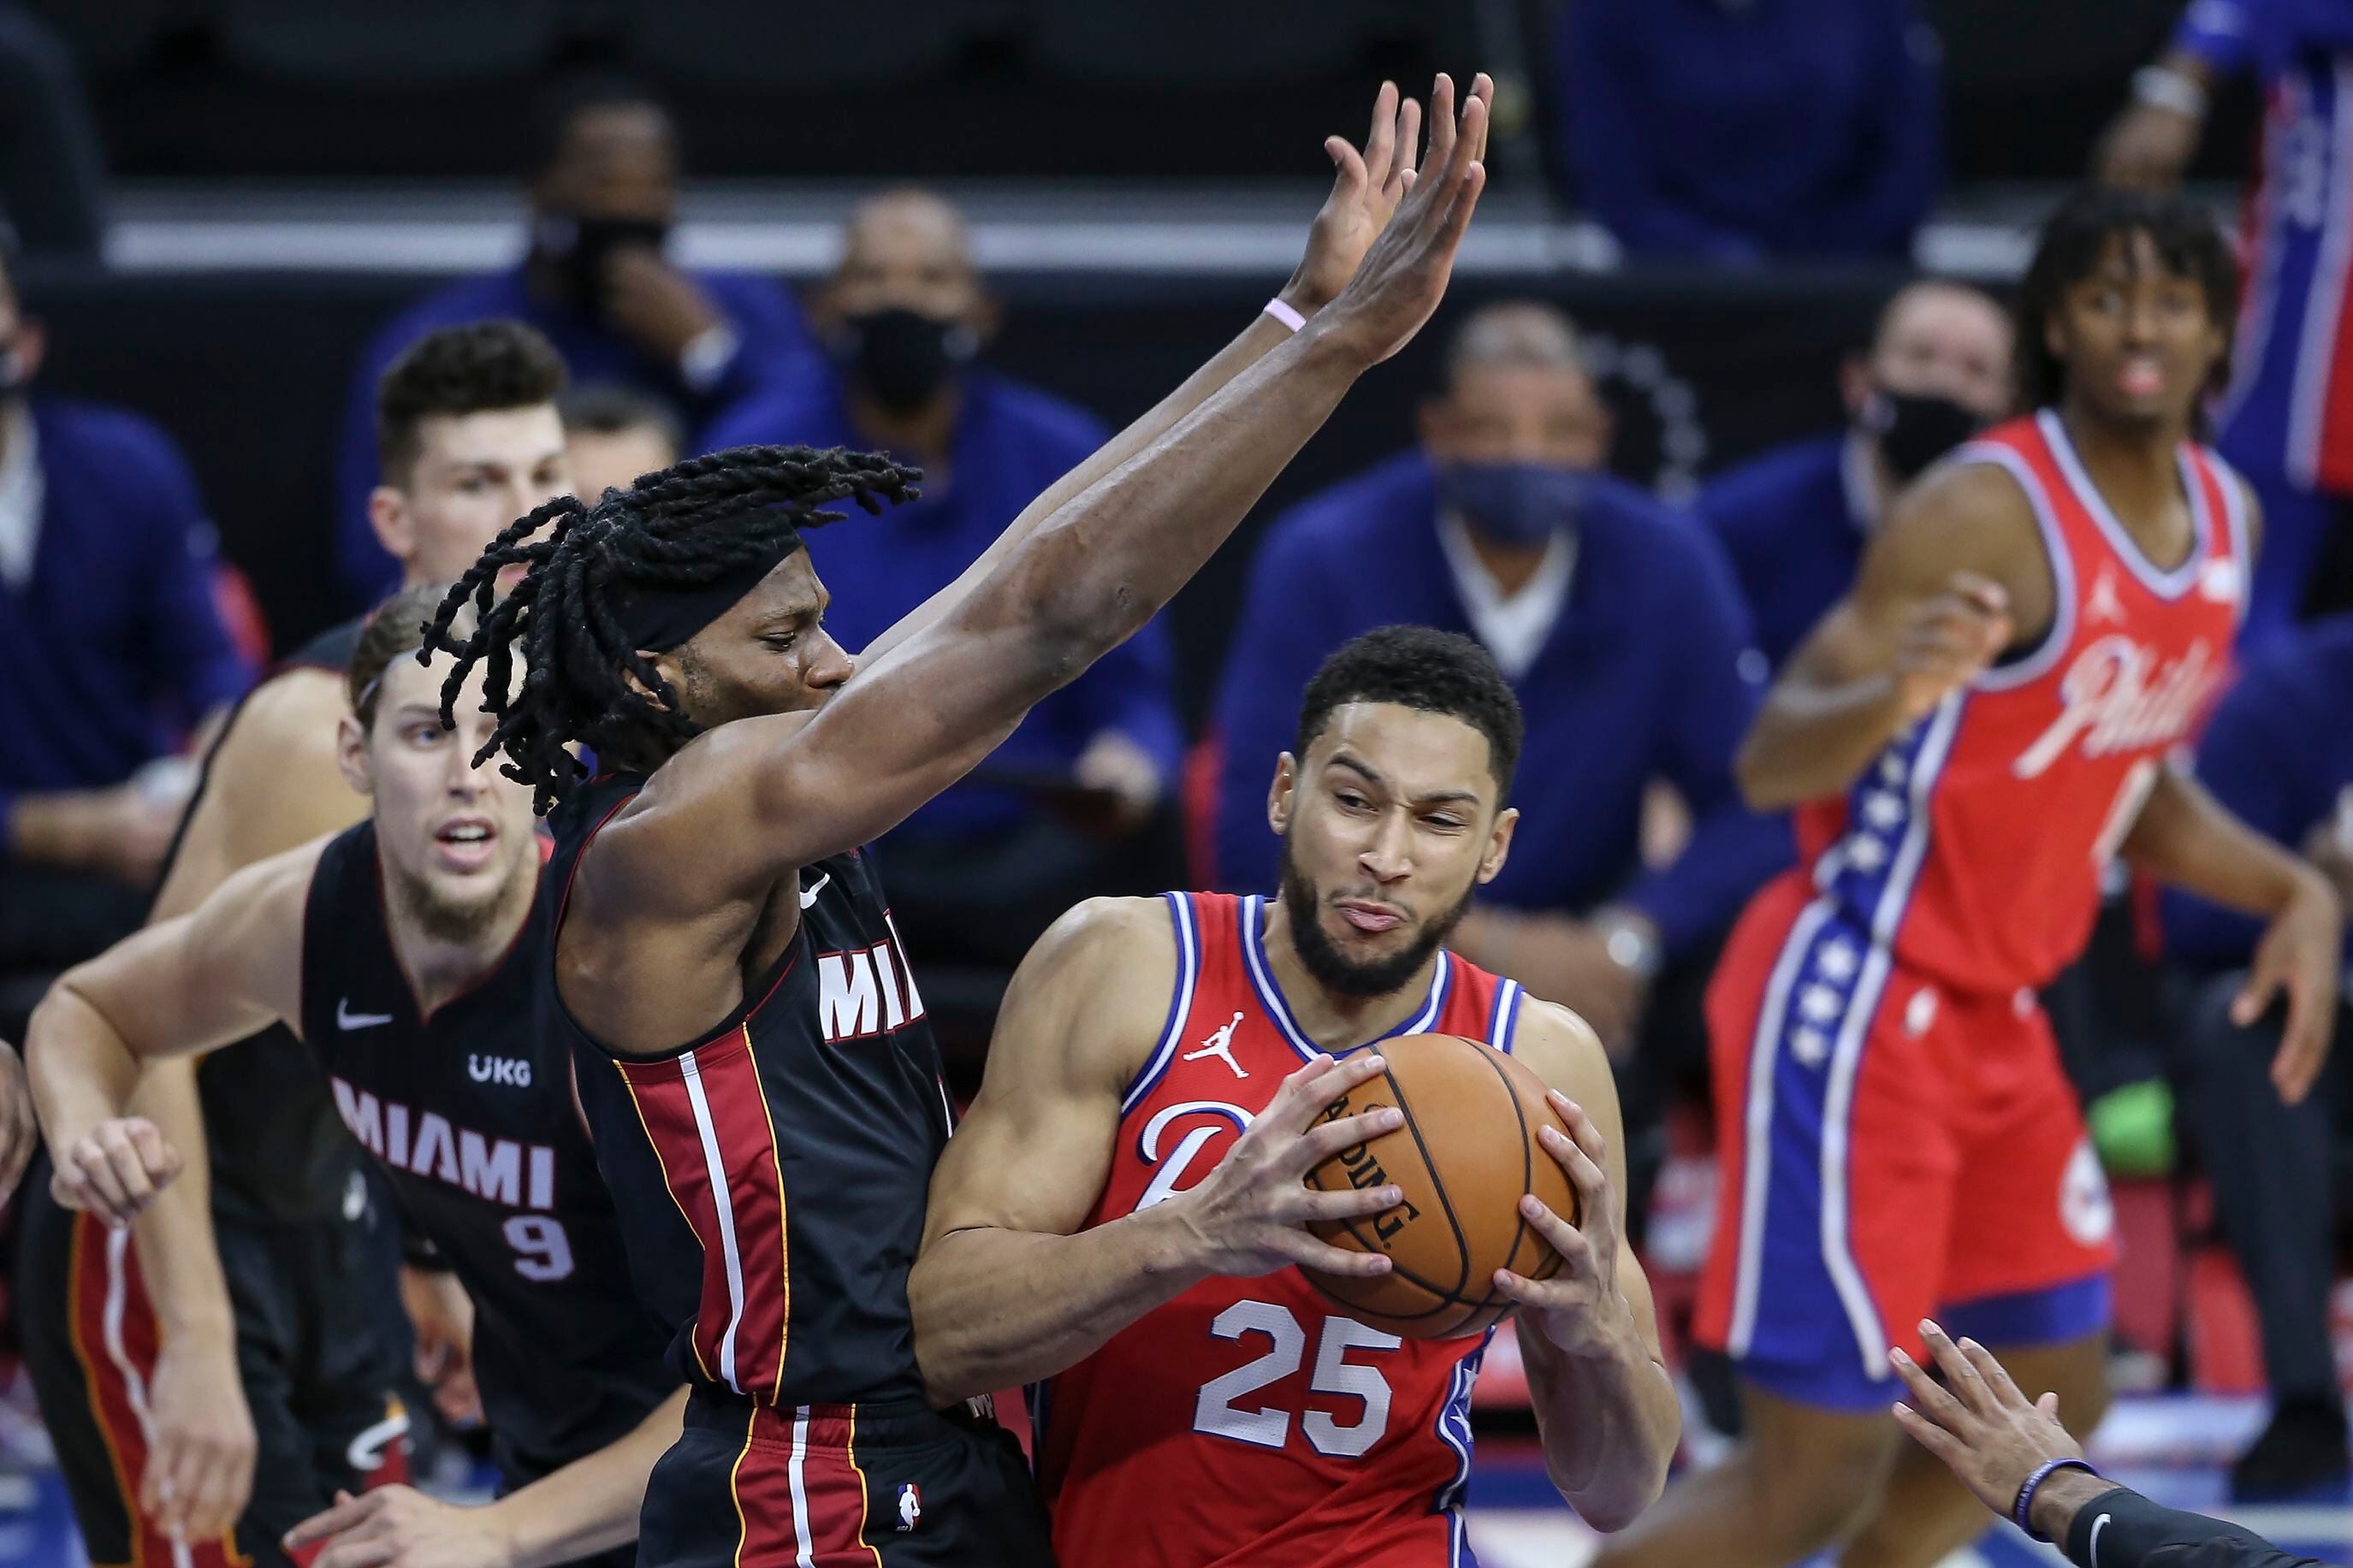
<point>1410,259</point>
<point>1367,187</point>
<point>1979,1422</point>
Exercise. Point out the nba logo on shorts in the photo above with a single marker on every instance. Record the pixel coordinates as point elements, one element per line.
<point>911,1507</point>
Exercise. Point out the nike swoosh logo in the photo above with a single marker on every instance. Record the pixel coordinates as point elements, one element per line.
<point>347,1019</point>
<point>809,895</point>
<point>2092,1549</point>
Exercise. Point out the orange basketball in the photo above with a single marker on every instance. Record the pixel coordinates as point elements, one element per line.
<point>1467,1151</point>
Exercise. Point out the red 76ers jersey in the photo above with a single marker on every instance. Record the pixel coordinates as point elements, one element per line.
<point>1248,1421</point>
<point>1972,847</point>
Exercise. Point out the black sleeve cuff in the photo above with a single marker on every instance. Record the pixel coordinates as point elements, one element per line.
<point>2122,1529</point>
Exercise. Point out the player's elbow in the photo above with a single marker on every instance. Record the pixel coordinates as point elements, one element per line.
<point>1610,1509</point>
<point>947,1354</point>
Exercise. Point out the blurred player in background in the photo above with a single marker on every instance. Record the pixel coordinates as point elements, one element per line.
<point>1971,733</point>
<point>1123,1208</point>
<point>251,1310</point>
<point>613,433</point>
<point>770,1170</point>
<point>2287,418</point>
<point>404,952</point>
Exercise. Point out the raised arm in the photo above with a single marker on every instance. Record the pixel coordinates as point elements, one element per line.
<point>1366,192</point>
<point>771,794</point>
<point>1605,1405</point>
<point>1007,1289</point>
<point>205,979</point>
<point>1943,588</point>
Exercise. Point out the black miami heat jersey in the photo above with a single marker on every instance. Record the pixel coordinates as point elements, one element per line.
<point>771,1176</point>
<point>471,1112</point>
<point>279,1155</point>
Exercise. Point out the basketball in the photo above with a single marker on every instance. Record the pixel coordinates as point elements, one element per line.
<point>1466,1152</point>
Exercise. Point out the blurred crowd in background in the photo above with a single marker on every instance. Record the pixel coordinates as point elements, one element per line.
<point>1787,156</point>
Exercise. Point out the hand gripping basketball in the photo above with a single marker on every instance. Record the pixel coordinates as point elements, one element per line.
<point>115,1170</point>
<point>1250,1214</point>
<point>1579,1308</point>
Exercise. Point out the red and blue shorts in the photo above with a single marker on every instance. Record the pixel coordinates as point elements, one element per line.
<point>1891,1150</point>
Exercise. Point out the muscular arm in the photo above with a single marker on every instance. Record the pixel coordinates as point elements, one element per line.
<point>1007,1289</point>
<point>589,1506</point>
<point>2185,837</point>
<point>1956,571</point>
<point>755,799</point>
<point>1605,1405</point>
<point>201,980</point>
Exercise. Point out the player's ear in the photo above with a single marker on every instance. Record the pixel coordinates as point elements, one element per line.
<point>665,665</point>
<point>1499,843</point>
<point>388,514</point>
<point>1278,794</point>
<point>351,755</point>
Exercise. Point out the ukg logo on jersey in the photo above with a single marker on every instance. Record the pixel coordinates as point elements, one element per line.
<point>2117,699</point>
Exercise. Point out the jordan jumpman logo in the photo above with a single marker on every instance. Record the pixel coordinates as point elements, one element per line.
<point>1222,1046</point>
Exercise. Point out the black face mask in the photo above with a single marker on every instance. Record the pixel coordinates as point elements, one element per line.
<point>1914,429</point>
<point>578,247</point>
<point>902,358</point>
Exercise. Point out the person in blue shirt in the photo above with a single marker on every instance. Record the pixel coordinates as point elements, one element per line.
<point>980,872</point>
<point>1734,131</point>
<point>1793,521</point>
<point>2279,754</point>
<point>604,175</point>
<point>1616,622</point>
<point>2285,420</point>
<point>117,654</point>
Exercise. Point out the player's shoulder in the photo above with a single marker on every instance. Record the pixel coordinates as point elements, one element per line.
<point>1969,512</point>
<point>1560,1047</point>
<point>1106,938</point>
<point>295,711</point>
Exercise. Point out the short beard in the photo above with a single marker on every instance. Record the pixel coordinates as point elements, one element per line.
<point>1334,970</point>
<point>442,920</point>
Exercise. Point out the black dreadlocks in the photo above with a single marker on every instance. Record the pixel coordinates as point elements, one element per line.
<point>681,528</point>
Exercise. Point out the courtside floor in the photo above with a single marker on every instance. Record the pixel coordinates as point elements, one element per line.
<point>2172,1447</point>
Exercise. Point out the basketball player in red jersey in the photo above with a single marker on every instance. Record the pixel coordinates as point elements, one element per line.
<point>1123,1206</point>
<point>1970,736</point>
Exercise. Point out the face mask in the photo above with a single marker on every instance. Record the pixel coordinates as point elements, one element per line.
<point>579,246</point>
<point>1914,429</point>
<point>1512,503</point>
<point>902,358</point>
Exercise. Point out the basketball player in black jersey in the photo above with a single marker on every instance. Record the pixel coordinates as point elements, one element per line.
<point>404,952</point>
<point>254,1284</point>
<point>764,1094</point>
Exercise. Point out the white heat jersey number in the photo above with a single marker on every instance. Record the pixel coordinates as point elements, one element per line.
<point>1216,1412</point>
<point>542,1252</point>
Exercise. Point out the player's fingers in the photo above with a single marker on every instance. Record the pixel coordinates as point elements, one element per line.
<point>1997,1380</point>
<point>2264,981</point>
<point>1349,175</point>
<point>348,1511</point>
<point>94,1179</point>
<point>1580,1126</point>
<point>1930,1435</point>
<point>2049,1405</point>
<point>1482,88</point>
<point>1401,166</point>
<point>1589,1180</point>
<point>1380,139</point>
<point>1326,1139</point>
<point>1521,1291</point>
<point>1980,589</point>
<point>1441,126</point>
<point>1930,1397</point>
<point>2304,1046</point>
<point>1466,201</point>
<point>1576,1248</point>
<point>1346,1261</point>
<point>1960,1377</point>
<point>372,1552</point>
<point>1350,1204</point>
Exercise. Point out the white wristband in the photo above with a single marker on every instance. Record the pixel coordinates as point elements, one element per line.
<point>2164,88</point>
<point>1282,312</point>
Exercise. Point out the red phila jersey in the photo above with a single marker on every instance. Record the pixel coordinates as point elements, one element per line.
<point>1248,1421</point>
<point>1973,846</point>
